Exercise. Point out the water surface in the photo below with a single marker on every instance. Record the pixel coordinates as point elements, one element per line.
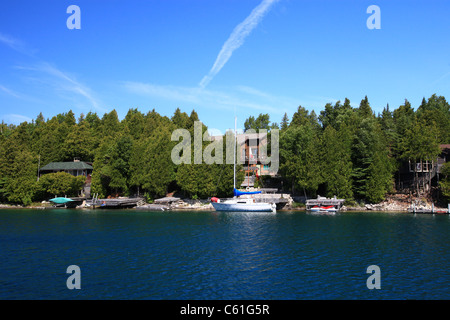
<point>130,254</point>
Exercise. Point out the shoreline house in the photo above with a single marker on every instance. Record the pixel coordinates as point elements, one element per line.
<point>252,150</point>
<point>420,177</point>
<point>253,157</point>
<point>75,168</point>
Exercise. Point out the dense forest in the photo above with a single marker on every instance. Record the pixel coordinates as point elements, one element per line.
<point>349,152</point>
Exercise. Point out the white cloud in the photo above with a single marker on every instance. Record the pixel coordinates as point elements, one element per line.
<point>10,92</point>
<point>236,39</point>
<point>19,95</point>
<point>185,94</point>
<point>60,81</point>
<point>439,79</point>
<point>71,84</point>
<point>11,42</point>
<point>50,76</point>
<point>211,99</point>
<point>16,44</point>
<point>15,118</point>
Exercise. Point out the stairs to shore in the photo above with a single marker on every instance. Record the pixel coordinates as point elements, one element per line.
<point>249,181</point>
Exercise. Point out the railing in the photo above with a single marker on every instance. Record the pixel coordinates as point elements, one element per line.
<point>253,159</point>
<point>422,166</point>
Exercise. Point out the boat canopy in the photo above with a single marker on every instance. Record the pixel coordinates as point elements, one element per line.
<point>60,200</point>
<point>238,193</point>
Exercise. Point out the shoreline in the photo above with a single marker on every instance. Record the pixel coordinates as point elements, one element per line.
<point>192,208</point>
<point>396,203</point>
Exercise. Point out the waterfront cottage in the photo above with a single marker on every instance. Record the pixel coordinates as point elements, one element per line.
<point>251,153</point>
<point>75,168</point>
<point>421,176</point>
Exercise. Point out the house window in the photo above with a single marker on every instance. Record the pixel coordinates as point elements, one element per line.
<point>253,154</point>
<point>419,167</point>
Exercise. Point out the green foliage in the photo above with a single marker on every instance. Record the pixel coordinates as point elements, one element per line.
<point>20,190</point>
<point>181,120</point>
<point>345,151</point>
<point>298,205</point>
<point>445,182</point>
<point>158,168</point>
<point>79,143</point>
<point>364,110</point>
<point>111,166</point>
<point>338,115</point>
<point>403,118</point>
<point>436,113</point>
<point>206,180</point>
<point>261,122</point>
<point>3,194</point>
<point>148,198</point>
<point>336,163</point>
<point>373,169</point>
<point>299,154</point>
<point>284,122</point>
<point>19,179</point>
<point>59,184</point>
<point>420,141</point>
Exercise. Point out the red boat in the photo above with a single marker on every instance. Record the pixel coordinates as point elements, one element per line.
<point>324,209</point>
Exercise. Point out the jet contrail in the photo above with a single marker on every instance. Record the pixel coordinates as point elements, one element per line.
<point>236,39</point>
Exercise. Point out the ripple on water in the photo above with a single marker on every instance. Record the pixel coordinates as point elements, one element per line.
<point>210,255</point>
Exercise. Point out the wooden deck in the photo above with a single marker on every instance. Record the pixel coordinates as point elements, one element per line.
<point>322,201</point>
<point>116,203</point>
<point>433,210</point>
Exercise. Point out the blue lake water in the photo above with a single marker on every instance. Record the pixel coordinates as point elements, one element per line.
<point>131,254</point>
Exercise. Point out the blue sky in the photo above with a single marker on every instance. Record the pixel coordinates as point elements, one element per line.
<point>223,58</point>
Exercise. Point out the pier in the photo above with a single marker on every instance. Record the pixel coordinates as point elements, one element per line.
<point>324,202</point>
<point>120,203</point>
<point>432,210</point>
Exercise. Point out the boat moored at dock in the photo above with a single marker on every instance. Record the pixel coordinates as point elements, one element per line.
<point>66,202</point>
<point>324,209</point>
<point>322,204</point>
<point>239,202</point>
<point>242,205</point>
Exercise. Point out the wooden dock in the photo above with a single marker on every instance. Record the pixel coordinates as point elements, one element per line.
<point>120,203</point>
<point>154,207</point>
<point>433,210</point>
<point>324,202</point>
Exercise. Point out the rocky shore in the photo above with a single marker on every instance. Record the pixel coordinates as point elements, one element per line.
<point>393,203</point>
<point>172,203</point>
<point>398,203</point>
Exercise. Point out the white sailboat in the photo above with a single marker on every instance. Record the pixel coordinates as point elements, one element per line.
<point>241,204</point>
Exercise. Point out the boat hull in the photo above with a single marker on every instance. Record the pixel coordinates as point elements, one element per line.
<point>320,210</point>
<point>60,200</point>
<point>323,209</point>
<point>244,207</point>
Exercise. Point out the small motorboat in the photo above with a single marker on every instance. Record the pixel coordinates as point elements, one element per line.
<point>60,200</point>
<point>66,202</point>
<point>323,209</point>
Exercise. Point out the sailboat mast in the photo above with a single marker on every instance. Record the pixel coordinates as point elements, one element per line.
<point>234,157</point>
